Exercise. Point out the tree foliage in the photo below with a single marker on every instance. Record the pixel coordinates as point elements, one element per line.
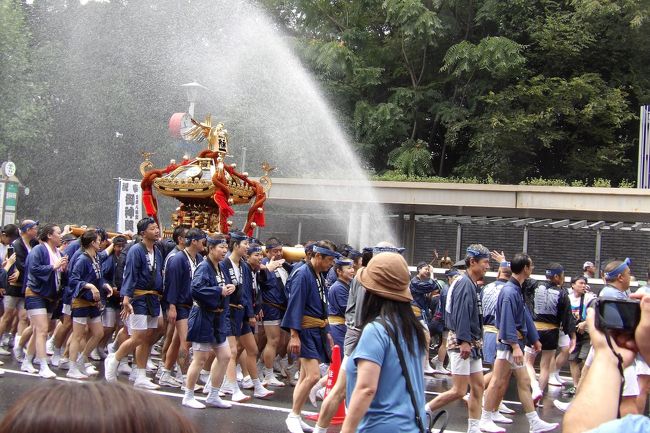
<point>510,90</point>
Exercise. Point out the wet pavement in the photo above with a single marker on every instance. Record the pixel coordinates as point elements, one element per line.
<point>268,415</point>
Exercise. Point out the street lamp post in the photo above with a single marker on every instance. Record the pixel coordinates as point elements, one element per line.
<point>192,92</point>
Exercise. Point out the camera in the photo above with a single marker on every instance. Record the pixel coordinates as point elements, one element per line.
<point>10,251</point>
<point>619,315</point>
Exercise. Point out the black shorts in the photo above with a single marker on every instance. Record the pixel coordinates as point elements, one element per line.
<point>549,338</point>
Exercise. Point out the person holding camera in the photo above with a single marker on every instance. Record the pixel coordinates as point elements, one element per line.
<point>594,409</point>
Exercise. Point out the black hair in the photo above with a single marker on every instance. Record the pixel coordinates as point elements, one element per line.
<point>398,314</point>
<point>144,223</point>
<point>11,231</point>
<point>519,262</point>
<point>344,249</point>
<point>45,231</point>
<point>178,233</point>
<point>232,242</point>
<point>193,233</point>
<point>366,256</point>
<point>216,236</point>
<point>88,237</point>
<point>326,244</point>
<point>421,265</point>
<point>272,240</point>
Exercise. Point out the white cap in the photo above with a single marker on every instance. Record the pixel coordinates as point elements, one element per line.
<point>587,265</point>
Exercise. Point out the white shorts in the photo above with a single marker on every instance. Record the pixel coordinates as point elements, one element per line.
<point>529,350</point>
<point>271,322</point>
<point>631,387</point>
<point>464,367</point>
<point>14,302</point>
<point>86,320</point>
<point>564,340</point>
<point>38,312</point>
<point>110,317</point>
<point>67,309</point>
<point>506,355</point>
<point>142,322</point>
<point>642,368</point>
<point>207,347</point>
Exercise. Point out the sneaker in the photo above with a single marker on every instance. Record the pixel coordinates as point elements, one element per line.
<point>208,387</point>
<point>27,367</point>
<point>155,350</point>
<point>285,368</point>
<point>215,401</point>
<point>55,360</point>
<point>505,409</point>
<point>110,368</point>
<point>239,374</point>
<point>487,425</point>
<point>19,353</point>
<point>239,396</point>
<point>537,396</point>
<point>541,426</point>
<point>94,355</point>
<point>306,428</point>
<point>49,346</point>
<point>159,373</point>
<point>466,398</point>
<point>90,369</point>
<point>123,367</point>
<point>569,392</point>
<point>261,392</point>
<point>498,417</point>
<point>192,403</point>
<point>438,368</point>
<point>294,424</point>
<point>271,380</point>
<point>555,380</point>
<point>45,372</point>
<point>75,373</point>
<point>111,348</point>
<point>226,387</point>
<point>4,352</point>
<point>561,405</point>
<point>64,364</point>
<point>151,367</point>
<point>428,369</point>
<point>277,367</point>
<point>247,383</point>
<point>204,376</point>
<point>145,383</point>
<point>168,380</point>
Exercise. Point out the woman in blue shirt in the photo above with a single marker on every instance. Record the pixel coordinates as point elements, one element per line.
<point>376,387</point>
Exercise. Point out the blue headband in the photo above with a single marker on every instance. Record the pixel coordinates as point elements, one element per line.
<point>273,245</point>
<point>309,248</point>
<point>28,226</point>
<point>196,237</point>
<point>238,236</point>
<point>325,252</point>
<point>367,250</point>
<point>451,272</point>
<point>477,254</point>
<point>619,269</point>
<point>353,254</point>
<point>254,249</point>
<point>343,262</point>
<point>377,250</point>
<point>213,241</point>
<point>553,272</point>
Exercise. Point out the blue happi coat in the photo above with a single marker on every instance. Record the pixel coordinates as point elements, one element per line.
<point>41,276</point>
<point>82,273</point>
<point>178,280</point>
<point>511,315</point>
<point>205,325</point>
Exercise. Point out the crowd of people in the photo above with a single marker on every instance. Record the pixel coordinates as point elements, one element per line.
<point>229,312</point>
